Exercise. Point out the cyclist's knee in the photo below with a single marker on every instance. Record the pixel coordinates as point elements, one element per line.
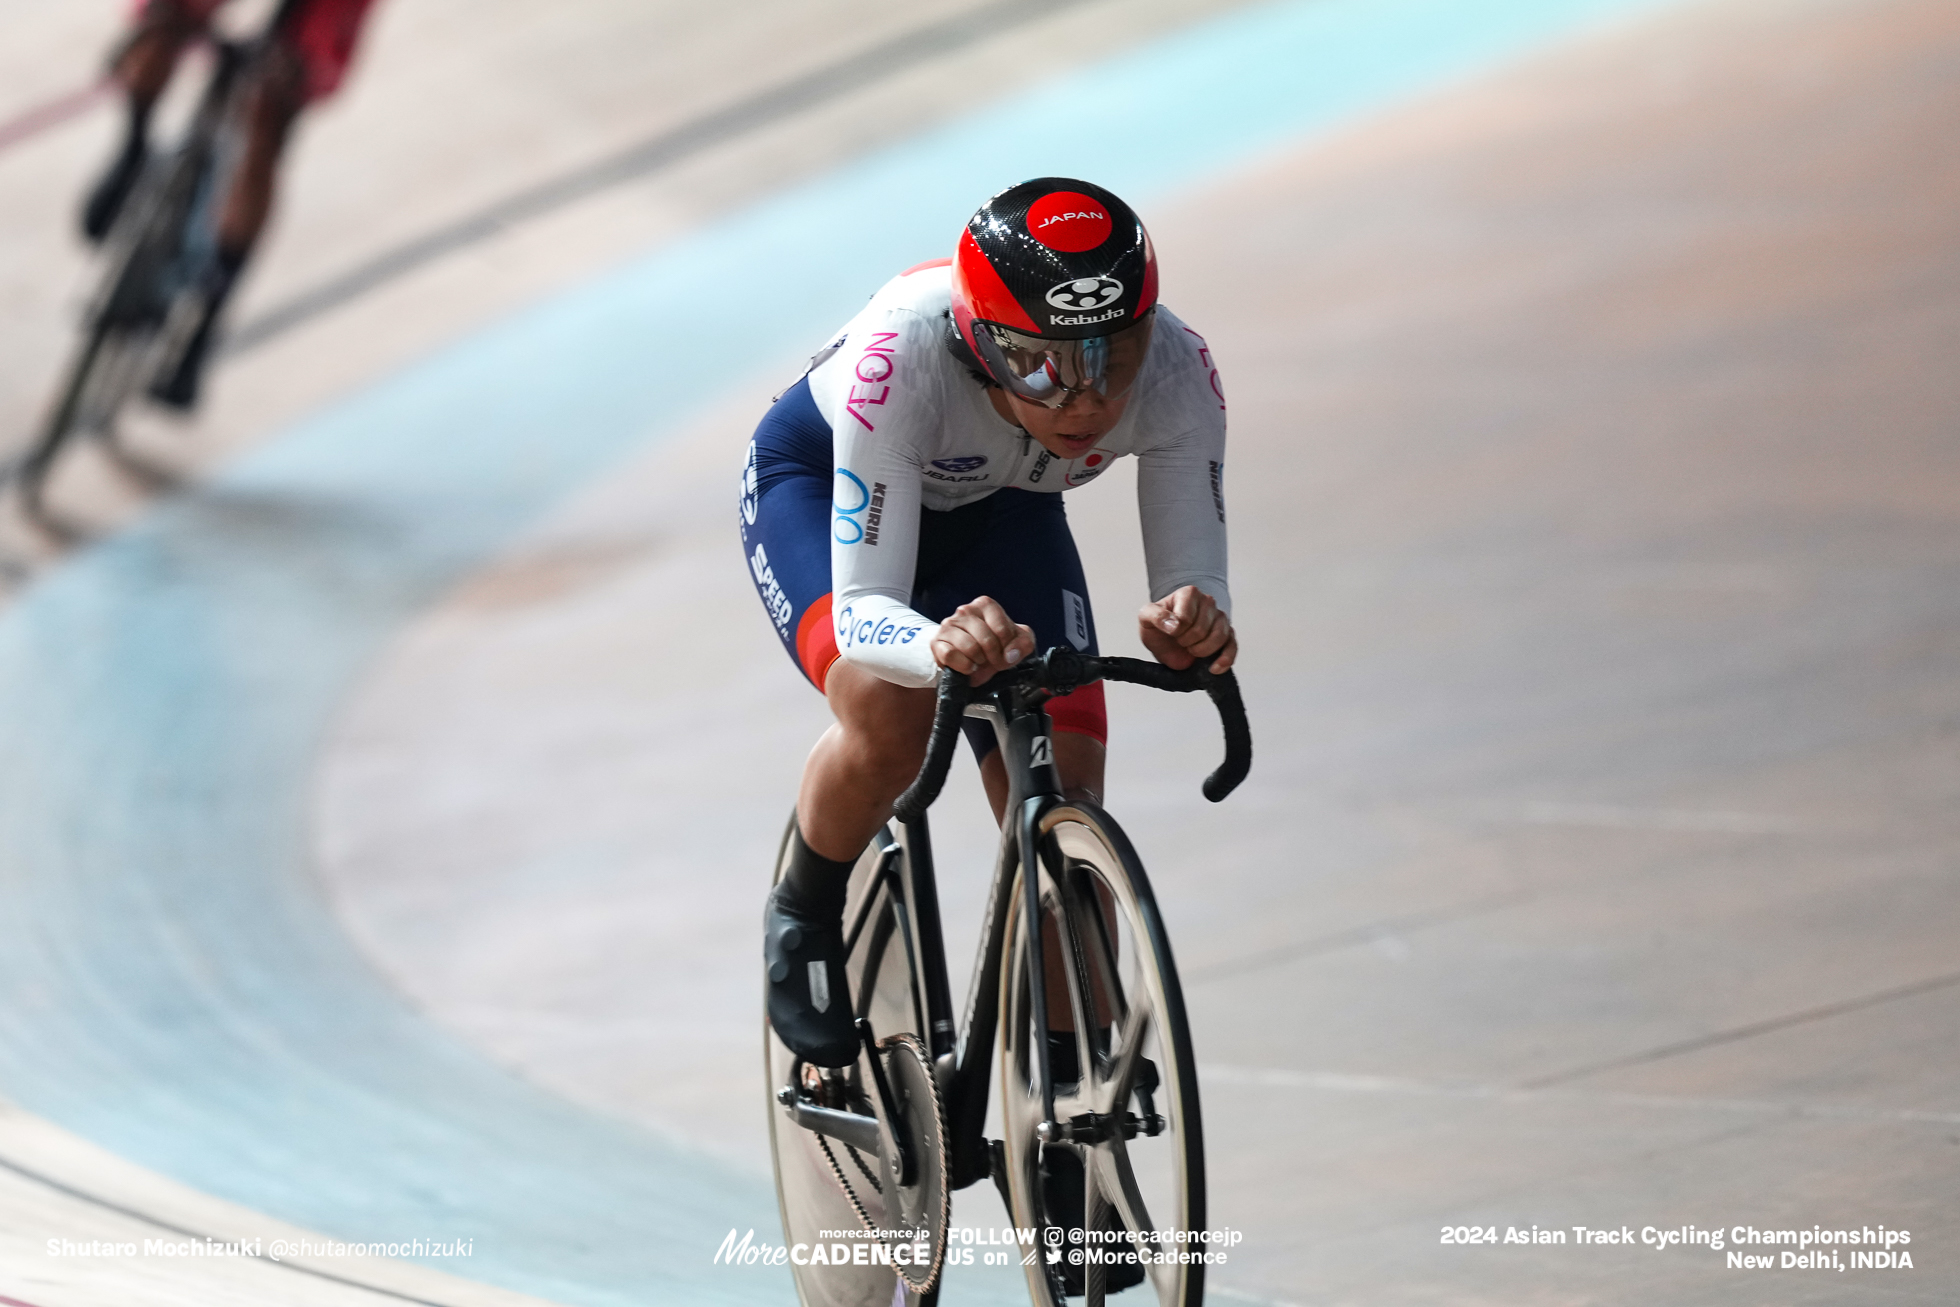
<point>279,92</point>
<point>168,21</point>
<point>143,60</point>
<point>1079,758</point>
<point>884,725</point>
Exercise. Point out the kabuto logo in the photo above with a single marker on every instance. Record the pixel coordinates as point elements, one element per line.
<point>1085,294</point>
<point>966,464</point>
<point>1085,319</point>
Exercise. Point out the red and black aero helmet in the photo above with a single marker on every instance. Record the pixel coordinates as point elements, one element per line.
<point>1053,288</point>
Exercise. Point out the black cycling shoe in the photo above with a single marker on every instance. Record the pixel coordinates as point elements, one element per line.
<point>1062,1199</point>
<point>809,996</point>
<point>1064,1060</point>
<point>179,388</point>
<point>106,200</point>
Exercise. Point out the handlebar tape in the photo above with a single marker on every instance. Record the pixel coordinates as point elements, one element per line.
<point>954,691</point>
<point>1223,689</point>
<point>1224,692</point>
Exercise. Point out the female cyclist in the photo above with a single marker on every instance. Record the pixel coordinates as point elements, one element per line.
<point>902,512</point>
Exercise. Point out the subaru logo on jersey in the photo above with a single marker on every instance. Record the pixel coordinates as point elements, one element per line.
<point>966,464</point>
<point>1085,294</point>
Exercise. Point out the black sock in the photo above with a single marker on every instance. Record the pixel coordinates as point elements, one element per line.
<point>230,264</point>
<point>816,884</point>
<point>136,132</point>
<point>222,277</point>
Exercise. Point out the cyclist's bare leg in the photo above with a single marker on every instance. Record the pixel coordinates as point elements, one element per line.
<point>866,759</point>
<point>142,66</point>
<point>858,767</point>
<point>147,58</point>
<point>272,102</point>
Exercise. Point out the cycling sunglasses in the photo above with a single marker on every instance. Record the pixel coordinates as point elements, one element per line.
<point>1053,372</point>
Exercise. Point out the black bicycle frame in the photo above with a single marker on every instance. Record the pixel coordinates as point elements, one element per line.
<point>963,1054</point>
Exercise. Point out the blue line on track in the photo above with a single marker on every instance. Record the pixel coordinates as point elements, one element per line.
<point>171,985</point>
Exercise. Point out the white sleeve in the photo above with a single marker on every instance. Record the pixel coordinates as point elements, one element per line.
<point>1181,492</point>
<point>879,424</point>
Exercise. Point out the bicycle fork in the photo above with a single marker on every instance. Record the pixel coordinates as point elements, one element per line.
<point>1034,788</point>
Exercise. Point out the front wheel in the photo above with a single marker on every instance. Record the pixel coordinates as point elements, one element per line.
<point>1116,1194</point>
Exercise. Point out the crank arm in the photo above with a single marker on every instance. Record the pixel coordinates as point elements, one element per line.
<point>886,1103</point>
<point>860,1132</point>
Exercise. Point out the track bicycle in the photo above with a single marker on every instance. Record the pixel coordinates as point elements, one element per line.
<point>157,262</point>
<point>1102,1152</point>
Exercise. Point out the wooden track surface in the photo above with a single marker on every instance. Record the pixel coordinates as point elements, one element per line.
<point>1593,523</point>
<point>1594,530</point>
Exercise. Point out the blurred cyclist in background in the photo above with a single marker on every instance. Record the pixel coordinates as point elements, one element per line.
<point>310,56</point>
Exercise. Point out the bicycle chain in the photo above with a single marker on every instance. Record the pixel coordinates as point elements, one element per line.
<point>864,1218</point>
<point>857,1160</point>
<point>849,1192</point>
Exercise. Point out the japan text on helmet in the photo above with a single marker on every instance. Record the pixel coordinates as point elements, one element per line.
<point>1053,287</point>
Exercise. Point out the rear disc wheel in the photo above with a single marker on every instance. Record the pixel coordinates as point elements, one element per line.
<point>823,1184</point>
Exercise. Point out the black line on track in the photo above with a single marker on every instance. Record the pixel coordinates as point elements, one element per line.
<point>48,1181</point>
<point>1340,939</point>
<point>765,107</point>
<point>1749,1031</point>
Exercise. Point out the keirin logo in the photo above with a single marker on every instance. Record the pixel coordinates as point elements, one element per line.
<point>1085,294</point>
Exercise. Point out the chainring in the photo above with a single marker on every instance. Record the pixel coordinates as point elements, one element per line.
<point>922,1205</point>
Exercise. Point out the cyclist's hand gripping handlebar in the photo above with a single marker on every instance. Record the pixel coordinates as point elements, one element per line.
<point>1063,670</point>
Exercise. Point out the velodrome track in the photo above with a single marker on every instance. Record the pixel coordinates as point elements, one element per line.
<point>1593,507</point>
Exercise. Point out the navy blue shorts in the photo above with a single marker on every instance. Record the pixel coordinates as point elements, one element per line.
<point>1013,545</point>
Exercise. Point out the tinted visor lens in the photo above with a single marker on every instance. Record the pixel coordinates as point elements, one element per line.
<point>1052,372</point>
